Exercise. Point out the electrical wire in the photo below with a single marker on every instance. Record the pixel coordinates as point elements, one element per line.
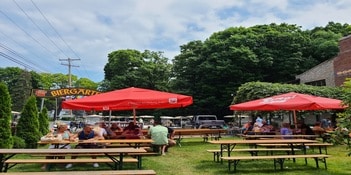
<point>57,33</point>
<point>26,66</point>
<point>21,56</point>
<point>41,30</point>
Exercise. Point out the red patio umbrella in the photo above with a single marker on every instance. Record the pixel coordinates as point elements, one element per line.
<point>129,99</point>
<point>290,101</point>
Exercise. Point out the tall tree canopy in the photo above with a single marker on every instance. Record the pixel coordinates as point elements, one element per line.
<point>5,117</point>
<point>131,68</point>
<point>212,70</point>
<point>20,83</point>
<point>28,124</point>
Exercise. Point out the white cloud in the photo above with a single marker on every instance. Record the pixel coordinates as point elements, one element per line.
<point>95,28</point>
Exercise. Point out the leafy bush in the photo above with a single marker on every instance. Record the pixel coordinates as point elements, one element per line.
<point>5,117</point>
<point>43,122</point>
<point>18,142</point>
<point>28,124</point>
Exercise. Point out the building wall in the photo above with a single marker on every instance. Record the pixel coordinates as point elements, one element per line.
<point>333,71</point>
<point>323,71</point>
<point>342,63</point>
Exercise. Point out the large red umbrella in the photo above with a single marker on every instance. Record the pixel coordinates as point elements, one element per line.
<point>129,99</point>
<point>289,101</point>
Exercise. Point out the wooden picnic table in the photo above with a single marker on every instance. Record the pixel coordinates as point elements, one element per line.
<point>111,153</point>
<point>280,136</point>
<point>229,145</point>
<point>132,142</point>
<point>179,133</point>
<point>99,172</point>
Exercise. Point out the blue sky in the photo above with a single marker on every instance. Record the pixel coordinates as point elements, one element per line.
<point>39,33</point>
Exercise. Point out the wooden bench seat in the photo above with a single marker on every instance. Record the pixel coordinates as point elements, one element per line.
<point>12,162</point>
<point>89,155</point>
<point>119,172</point>
<point>308,145</point>
<point>124,145</point>
<point>252,151</point>
<point>274,145</point>
<point>278,159</point>
<point>319,146</point>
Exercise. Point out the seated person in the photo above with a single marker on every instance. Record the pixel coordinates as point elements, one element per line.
<point>306,130</point>
<point>116,128</point>
<point>171,141</point>
<point>285,129</point>
<point>61,133</point>
<point>266,128</point>
<point>317,129</point>
<point>132,131</point>
<point>106,132</point>
<point>87,134</point>
<point>248,127</point>
<point>256,128</point>
<point>158,134</point>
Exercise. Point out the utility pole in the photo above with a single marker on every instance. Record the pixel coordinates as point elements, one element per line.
<point>69,64</point>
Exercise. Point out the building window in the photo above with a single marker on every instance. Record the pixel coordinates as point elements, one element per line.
<point>317,83</point>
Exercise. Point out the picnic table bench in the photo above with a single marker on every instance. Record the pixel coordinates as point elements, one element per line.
<point>12,162</point>
<point>279,136</point>
<point>320,146</point>
<point>115,155</point>
<point>278,159</point>
<point>252,151</point>
<point>205,133</point>
<point>120,172</point>
<point>230,144</point>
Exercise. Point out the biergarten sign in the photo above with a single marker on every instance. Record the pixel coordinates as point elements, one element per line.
<point>54,93</point>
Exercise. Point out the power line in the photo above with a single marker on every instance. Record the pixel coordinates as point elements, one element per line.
<point>54,29</point>
<point>42,31</point>
<point>26,66</point>
<point>19,55</point>
<point>24,47</point>
<point>26,33</point>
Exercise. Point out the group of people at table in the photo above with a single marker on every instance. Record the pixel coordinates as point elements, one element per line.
<point>162,137</point>
<point>262,127</point>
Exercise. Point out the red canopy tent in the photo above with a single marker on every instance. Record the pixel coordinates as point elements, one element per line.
<point>289,101</point>
<point>129,99</point>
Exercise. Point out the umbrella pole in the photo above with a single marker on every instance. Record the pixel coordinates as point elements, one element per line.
<point>134,115</point>
<point>295,120</point>
<point>109,118</point>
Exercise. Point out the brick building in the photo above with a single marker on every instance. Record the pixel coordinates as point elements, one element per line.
<point>332,72</point>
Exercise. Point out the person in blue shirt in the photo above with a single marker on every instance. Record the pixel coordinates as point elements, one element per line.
<point>87,134</point>
<point>285,130</point>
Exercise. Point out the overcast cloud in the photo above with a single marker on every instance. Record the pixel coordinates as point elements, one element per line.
<point>90,29</point>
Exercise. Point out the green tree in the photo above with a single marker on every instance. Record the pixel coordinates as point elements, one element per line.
<point>43,122</point>
<point>22,90</point>
<point>131,68</point>
<point>344,118</point>
<point>15,78</point>
<point>28,124</point>
<point>256,90</point>
<point>86,83</point>
<point>5,117</point>
<point>211,71</point>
